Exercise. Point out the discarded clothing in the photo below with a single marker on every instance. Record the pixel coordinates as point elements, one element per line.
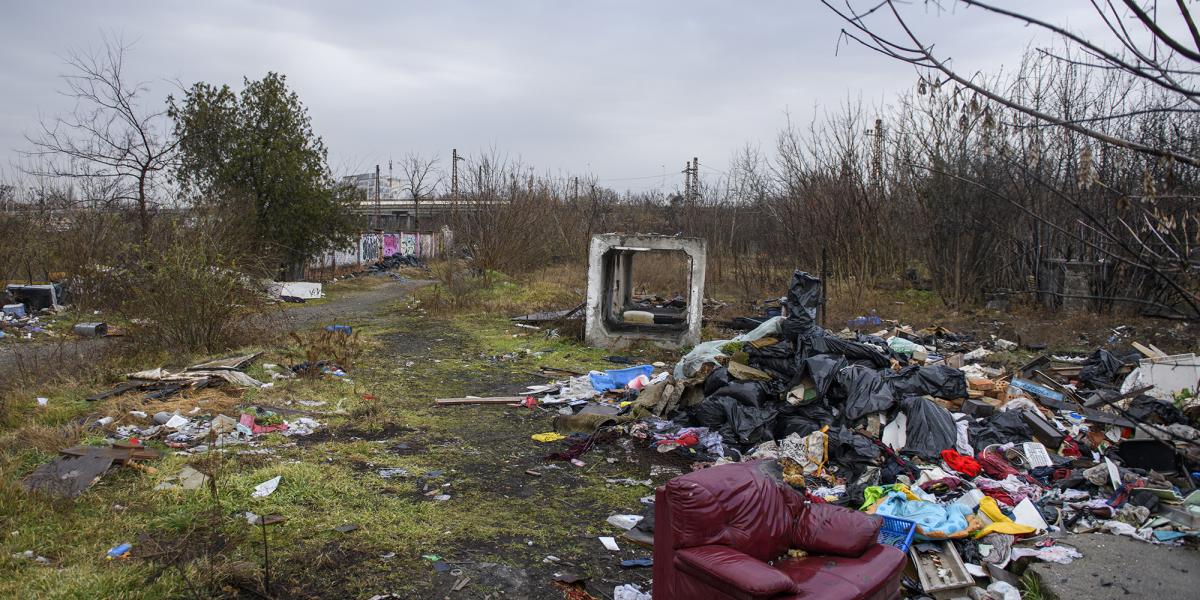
<point>934,521</point>
<point>963,464</point>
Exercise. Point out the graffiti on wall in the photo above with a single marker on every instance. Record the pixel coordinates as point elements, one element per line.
<point>375,246</point>
<point>408,244</point>
<point>369,243</point>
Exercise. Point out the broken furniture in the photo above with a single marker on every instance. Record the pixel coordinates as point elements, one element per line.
<point>717,529</point>
<point>615,319</point>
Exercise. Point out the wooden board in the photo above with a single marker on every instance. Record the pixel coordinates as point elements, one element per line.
<point>119,455</point>
<point>1147,352</point>
<point>494,400</point>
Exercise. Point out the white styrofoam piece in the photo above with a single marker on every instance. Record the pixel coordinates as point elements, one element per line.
<point>298,289</point>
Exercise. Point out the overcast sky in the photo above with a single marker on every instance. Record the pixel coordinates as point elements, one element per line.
<point>620,89</point>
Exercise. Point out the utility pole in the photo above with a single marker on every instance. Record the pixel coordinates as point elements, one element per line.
<point>575,189</point>
<point>687,181</point>
<point>695,178</point>
<point>378,209</point>
<point>877,156</point>
<point>454,158</point>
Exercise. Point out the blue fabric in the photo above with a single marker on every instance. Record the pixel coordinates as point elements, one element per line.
<point>602,381</point>
<point>929,516</point>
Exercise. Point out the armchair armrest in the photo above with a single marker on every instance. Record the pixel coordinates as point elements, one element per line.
<point>723,567</point>
<point>835,530</point>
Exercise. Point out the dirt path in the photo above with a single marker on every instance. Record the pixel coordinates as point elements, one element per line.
<point>344,305</point>
<point>357,304</point>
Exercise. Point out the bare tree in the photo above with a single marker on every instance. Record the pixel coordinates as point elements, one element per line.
<point>108,141</point>
<point>1138,45</point>
<point>422,178</point>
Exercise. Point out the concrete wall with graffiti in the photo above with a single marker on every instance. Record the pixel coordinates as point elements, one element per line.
<point>373,246</point>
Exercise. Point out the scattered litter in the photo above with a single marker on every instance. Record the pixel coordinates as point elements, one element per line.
<point>624,521</point>
<point>267,487</point>
<point>629,591</point>
<point>610,543</point>
<point>120,551</point>
<point>187,479</point>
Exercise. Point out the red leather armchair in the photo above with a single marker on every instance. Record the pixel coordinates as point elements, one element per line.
<point>722,533</point>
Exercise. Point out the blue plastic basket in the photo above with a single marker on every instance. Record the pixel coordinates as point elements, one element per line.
<point>897,532</point>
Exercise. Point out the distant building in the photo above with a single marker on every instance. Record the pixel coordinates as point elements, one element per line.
<point>390,188</point>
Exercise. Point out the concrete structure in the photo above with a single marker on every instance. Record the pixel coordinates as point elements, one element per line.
<point>610,294</point>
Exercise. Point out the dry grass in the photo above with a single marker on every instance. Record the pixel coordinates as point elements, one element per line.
<point>209,400</point>
<point>43,438</point>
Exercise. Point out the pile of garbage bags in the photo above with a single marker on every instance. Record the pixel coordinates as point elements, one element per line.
<point>917,426</point>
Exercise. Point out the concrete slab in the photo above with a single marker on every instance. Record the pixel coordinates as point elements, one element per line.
<point>610,282</point>
<point>1118,568</point>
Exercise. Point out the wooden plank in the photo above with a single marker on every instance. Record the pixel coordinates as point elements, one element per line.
<point>118,455</point>
<point>493,400</point>
<point>1157,349</point>
<point>1147,352</point>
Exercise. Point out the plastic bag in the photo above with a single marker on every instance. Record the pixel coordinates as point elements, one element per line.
<point>738,411</point>
<point>802,301</point>
<point>931,428</point>
<point>803,419</point>
<point>1000,428</point>
<point>708,352</point>
<point>823,370</point>
<point>854,351</point>
<point>851,450</point>
<point>938,380</point>
<point>865,392</point>
<point>776,359</point>
<point>1099,368</point>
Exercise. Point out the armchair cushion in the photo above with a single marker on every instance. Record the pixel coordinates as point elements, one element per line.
<point>835,530</point>
<point>723,567</point>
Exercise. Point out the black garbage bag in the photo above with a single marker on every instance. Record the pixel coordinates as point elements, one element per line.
<point>1148,409</point>
<point>850,450</point>
<point>865,392</point>
<point>802,301</point>
<point>854,351</point>
<point>740,425</point>
<point>930,429</point>
<point>938,380</point>
<point>716,380</point>
<point>823,370</point>
<point>802,419</point>
<point>1099,368</point>
<point>778,360</point>
<point>754,393</point>
<point>1000,428</point>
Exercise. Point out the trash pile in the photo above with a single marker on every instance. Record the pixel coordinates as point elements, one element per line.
<point>161,384</point>
<point>16,322</point>
<point>974,465</point>
<point>396,261</point>
<point>184,432</point>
